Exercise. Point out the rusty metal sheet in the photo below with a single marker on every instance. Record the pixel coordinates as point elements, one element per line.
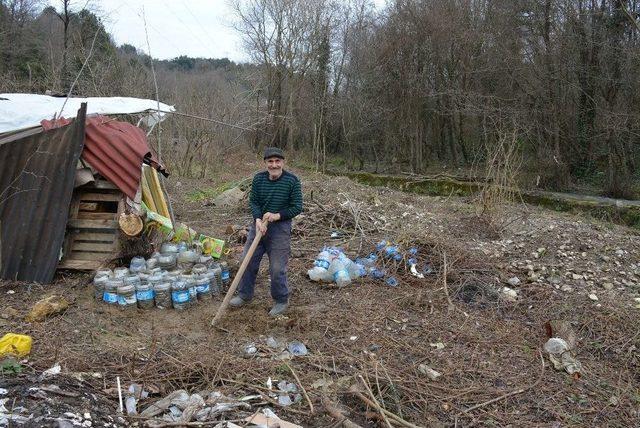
<point>36,184</point>
<point>116,150</point>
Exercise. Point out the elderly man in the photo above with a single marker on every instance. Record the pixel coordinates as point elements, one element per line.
<point>276,197</point>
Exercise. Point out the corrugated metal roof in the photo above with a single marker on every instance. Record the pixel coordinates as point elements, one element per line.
<point>116,150</point>
<point>36,184</point>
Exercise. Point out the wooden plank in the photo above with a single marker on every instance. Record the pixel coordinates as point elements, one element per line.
<point>146,194</point>
<point>98,247</point>
<point>109,197</point>
<point>94,237</point>
<point>88,206</point>
<point>87,255</point>
<point>96,216</point>
<point>156,192</point>
<point>80,264</point>
<point>74,206</point>
<point>92,224</point>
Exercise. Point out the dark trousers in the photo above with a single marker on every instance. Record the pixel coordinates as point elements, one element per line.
<point>277,244</point>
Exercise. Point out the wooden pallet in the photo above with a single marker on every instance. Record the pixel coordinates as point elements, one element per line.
<point>92,237</point>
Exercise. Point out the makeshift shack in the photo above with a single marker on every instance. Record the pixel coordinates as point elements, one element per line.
<point>65,184</point>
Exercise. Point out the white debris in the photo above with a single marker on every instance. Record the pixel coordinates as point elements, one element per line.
<point>55,370</point>
<point>429,372</point>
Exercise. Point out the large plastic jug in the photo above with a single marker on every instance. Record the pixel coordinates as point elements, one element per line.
<point>15,344</point>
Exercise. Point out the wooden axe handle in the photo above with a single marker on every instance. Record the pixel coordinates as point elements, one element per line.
<point>238,277</point>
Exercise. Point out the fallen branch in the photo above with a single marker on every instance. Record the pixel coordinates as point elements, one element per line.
<point>444,279</point>
<point>333,411</point>
<point>304,391</point>
<point>373,397</point>
<point>393,416</point>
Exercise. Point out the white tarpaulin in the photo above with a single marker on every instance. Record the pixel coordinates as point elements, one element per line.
<point>22,111</point>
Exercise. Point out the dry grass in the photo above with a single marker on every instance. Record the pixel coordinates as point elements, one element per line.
<point>491,346</point>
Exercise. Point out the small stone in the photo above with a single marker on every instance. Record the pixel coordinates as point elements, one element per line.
<point>87,415</point>
<point>509,293</point>
<point>619,253</point>
<point>566,288</point>
<point>514,282</point>
<point>593,297</point>
<point>555,280</point>
<point>605,258</point>
<point>576,276</point>
<point>607,286</point>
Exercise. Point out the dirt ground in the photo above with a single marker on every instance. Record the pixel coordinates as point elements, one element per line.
<point>486,342</point>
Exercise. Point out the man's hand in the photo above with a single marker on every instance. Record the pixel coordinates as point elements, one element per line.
<point>271,217</point>
<point>261,226</point>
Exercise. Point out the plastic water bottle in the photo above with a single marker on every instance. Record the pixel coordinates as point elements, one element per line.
<point>413,251</point>
<point>320,266</point>
<point>226,277</point>
<point>137,264</point>
<point>376,273</point>
<point>427,270</point>
<point>392,282</point>
<point>339,272</point>
<point>391,251</point>
<point>180,295</point>
<point>380,245</point>
<point>323,260</point>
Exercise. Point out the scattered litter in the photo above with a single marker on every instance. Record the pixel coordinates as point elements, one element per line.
<point>250,350</point>
<point>267,418</point>
<point>352,338</point>
<point>429,372</point>
<point>46,307</point>
<point>593,297</point>
<point>297,348</point>
<point>284,400</point>
<point>3,391</point>
<point>561,357</point>
<point>162,405</point>
<point>18,345</point>
<point>272,342</point>
<point>437,345</point>
<point>55,370</point>
<point>414,272</point>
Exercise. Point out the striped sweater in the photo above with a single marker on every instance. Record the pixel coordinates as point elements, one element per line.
<point>283,195</point>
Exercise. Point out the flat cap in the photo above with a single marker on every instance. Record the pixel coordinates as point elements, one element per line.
<point>273,152</point>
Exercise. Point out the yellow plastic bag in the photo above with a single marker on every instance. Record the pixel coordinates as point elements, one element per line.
<point>15,344</point>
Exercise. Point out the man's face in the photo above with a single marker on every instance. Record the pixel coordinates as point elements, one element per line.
<point>274,166</point>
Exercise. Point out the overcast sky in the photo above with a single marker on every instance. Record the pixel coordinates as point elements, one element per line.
<point>196,28</point>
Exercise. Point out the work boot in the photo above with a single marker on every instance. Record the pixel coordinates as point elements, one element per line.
<point>237,301</point>
<point>278,309</point>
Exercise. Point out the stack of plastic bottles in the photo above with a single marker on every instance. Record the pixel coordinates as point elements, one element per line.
<point>176,277</point>
<point>332,265</point>
<point>388,259</point>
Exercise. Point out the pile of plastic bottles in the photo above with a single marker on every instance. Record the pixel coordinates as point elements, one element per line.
<point>176,277</point>
<point>332,265</point>
<point>388,259</point>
